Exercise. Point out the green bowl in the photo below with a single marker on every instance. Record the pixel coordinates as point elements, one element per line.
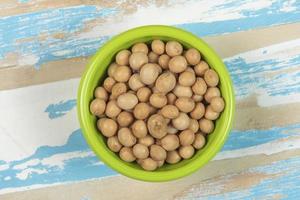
<point>95,74</point>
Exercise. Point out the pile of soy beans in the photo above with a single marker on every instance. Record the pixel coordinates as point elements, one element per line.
<point>157,104</point>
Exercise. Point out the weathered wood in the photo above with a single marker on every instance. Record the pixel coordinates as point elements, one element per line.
<point>63,31</point>
<point>60,147</point>
<point>45,45</point>
<point>209,180</point>
<point>226,46</point>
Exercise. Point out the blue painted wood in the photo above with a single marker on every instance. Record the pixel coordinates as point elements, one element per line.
<point>79,168</point>
<point>74,161</point>
<point>71,169</point>
<point>63,20</point>
<point>60,109</point>
<point>65,163</point>
<point>257,18</point>
<point>20,34</point>
<point>255,76</point>
<point>278,180</point>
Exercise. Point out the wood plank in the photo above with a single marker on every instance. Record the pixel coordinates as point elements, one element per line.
<point>16,77</point>
<point>33,39</point>
<point>17,7</point>
<point>207,182</point>
<point>46,147</point>
<point>279,179</point>
<point>226,46</point>
<point>57,153</point>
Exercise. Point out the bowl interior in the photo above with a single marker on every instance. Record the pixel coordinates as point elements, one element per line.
<point>96,73</point>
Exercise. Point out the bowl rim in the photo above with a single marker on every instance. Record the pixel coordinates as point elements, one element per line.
<point>83,110</point>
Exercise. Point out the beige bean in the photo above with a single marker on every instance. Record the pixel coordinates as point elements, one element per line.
<point>112,109</point>
<point>126,154</point>
<point>108,127</point>
<point>135,82</point>
<point>122,57</point>
<point>187,78</point>
<point>170,142</point>
<point>182,91</point>
<point>206,126</point>
<point>199,86</point>
<point>163,61</point>
<point>149,73</point>
<point>181,122</point>
<point>147,140</point>
<point>186,152</point>
<point>217,104</point>
<point>108,83</point>
<point>149,164</point>
<point>158,47</point>
<point>185,104</point>
<point>117,90</point>
<point>152,57</point>
<point>140,47</point>
<point>211,93</point>
<point>97,107</point>
<point>126,137</point>
<point>140,151</point>
<point>144,94</point>
<point>114,144</point>
<point>158,100</point>
<point>165,82</point>
<point>101,93</point>
<point>174,48</point>
<point>127,101</point>
<point>122,74</point>
<point>157,126</point>
<point>194,125</point>
<point>192,56</point>
<point>157,152</point>
<point>173,157</point>
<point>211,77</point>
<point>124,119</point>
<point>139,129</point>
<point>137,60</point>
<point>201,68</point>
<point>177,64</point>
<point>141,111</point>
<point>186,137</point>
<point>199,141</point>
<point>111,69</point>
<point>198,111</point>
<point>170,111</point>
<point>211,114</point>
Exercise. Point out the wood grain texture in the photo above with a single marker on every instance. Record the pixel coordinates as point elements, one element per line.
<point>44,47</point>
<point>63,31</point>
<point>226,46</point>
<point>52,155</point>
<point>15,77</point>
<point>186,188</point>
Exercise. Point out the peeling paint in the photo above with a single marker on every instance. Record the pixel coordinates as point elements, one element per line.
<point>216,18</point>
<point>280,178</point>
<point>60,109</point>
<point>57,152</point>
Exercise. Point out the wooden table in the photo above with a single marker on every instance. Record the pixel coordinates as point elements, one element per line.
<point>44,48</point>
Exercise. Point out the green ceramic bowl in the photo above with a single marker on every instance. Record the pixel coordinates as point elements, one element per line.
<point>95,74</point>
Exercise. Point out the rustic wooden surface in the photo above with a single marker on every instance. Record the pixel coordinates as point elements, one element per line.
<point>44,47</point>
